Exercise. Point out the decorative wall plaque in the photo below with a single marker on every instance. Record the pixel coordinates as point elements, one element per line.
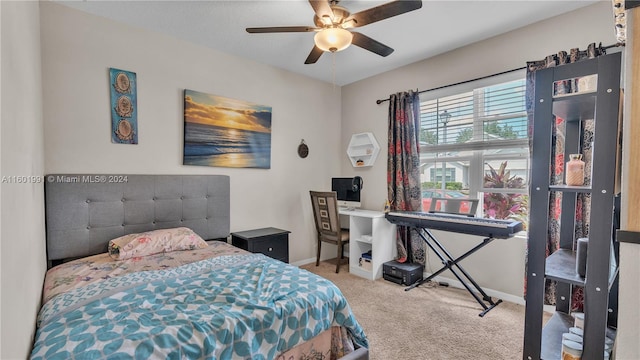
<point>303,149</point>
<point>124,113</point>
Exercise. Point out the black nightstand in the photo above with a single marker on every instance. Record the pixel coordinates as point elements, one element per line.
<point>269,241</point>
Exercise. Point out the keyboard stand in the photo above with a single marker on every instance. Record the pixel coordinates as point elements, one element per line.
<point>452,264</point>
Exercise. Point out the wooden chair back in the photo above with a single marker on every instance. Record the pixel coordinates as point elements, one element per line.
<point>327,220</point>
<point>325,214</point>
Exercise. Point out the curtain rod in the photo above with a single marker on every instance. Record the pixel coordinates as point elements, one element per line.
<point>380,101</point>
<point>458,83</point>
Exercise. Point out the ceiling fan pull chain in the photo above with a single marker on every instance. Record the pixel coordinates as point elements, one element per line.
<point>333,69</point>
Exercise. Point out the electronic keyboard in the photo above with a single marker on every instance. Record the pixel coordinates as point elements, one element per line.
<point>491,228</point>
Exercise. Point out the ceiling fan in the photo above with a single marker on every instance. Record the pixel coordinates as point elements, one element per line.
<point>333,21</point>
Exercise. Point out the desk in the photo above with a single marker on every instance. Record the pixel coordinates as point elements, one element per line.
<point>369,230</point>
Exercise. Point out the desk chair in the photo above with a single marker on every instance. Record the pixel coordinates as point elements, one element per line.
<point>325,214</point>
<point>454,206</point>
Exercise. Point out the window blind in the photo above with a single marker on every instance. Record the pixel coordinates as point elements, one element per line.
<point>487,116</point>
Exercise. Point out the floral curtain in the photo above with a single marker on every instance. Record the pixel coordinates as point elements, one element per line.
<point>583,202</point>
<point>403,169</point>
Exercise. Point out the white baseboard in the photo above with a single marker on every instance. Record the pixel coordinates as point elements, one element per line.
<point>304,262</point>
<point>313,260</point>
<point>493,293</point>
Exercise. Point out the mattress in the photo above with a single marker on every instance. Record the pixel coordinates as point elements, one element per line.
<point>219,302</point>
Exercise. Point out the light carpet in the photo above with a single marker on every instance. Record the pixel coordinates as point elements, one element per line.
<point>427,322</point>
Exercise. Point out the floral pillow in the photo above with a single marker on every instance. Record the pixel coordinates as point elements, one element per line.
<point>155,242</point>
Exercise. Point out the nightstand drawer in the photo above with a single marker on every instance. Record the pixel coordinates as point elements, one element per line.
<point>269,241</point>
<point>276,247</point>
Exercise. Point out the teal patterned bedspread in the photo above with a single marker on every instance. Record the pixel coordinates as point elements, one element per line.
<point>229,307</point>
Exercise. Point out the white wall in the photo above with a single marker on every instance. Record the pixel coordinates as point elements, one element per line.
<point>77,51</point>
<point>22,246</point>
<point>500,265</point>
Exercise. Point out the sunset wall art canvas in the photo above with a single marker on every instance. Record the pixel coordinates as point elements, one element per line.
<point>225,132</point>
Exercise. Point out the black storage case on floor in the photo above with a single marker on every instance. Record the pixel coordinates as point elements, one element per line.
<point>402,273</point>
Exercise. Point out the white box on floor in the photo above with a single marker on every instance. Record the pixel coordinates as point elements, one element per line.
<point>365,264</point>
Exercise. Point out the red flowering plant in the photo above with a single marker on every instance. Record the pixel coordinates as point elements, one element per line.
<point>499,205</point>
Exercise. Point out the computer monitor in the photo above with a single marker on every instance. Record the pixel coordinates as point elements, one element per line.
<point>348,191</point>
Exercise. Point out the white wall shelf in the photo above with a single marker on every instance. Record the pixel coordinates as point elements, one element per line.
<point>363,149</point>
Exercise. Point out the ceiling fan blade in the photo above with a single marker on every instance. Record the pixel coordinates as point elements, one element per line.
<point>385,11</point>
<point>279,29</point>
<point>368,43</point>
<point>314,55</point>
<point>323,10</point>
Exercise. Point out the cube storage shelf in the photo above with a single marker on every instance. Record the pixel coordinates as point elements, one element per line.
<point>369,231</point>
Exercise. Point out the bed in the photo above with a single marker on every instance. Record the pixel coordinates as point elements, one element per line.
<point>110,293</point>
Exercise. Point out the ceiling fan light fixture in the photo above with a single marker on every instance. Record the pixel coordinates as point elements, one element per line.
<point>333,39</point>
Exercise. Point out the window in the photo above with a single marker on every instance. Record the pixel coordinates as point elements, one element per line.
<point>436,174</point>
<point>478,139</point>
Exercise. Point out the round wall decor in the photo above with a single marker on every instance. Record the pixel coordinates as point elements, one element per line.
<point>303,149</point>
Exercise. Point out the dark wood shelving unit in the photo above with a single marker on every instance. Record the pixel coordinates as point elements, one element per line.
<point>575,107</point>
<point>567,188</point>
<point>561,266</point>
<point>552,343</point>
<point>601,105</point>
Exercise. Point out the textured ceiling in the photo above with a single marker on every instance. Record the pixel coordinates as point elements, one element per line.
<point>438,27</point>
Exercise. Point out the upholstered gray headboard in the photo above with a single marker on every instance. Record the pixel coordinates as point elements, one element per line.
<point>85,211</point>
